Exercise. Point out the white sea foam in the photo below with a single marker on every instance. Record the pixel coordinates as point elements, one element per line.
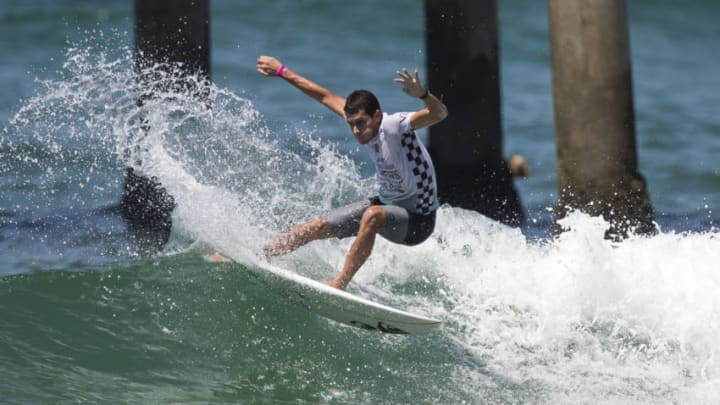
<point>588,317</point>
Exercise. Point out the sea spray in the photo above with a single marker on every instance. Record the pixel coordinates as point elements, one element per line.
<point>206,145</point>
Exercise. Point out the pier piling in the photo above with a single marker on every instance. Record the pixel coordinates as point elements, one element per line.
<point>463,70</point>
<point>175,33</point>
<point>594,115</point>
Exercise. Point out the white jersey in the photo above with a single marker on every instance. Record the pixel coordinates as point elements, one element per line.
<point>405,172</point>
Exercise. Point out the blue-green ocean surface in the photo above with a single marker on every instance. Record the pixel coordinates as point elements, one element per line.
<point>86,315</point>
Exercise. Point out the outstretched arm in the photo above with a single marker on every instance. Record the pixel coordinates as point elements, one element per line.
<point>434,111</point>
<point>269,66</point>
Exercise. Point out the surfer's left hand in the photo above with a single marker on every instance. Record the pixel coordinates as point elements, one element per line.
<point>410,83</point>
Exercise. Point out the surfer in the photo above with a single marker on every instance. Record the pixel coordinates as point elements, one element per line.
<point>404,210</point>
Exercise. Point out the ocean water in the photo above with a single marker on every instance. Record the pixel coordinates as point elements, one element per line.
<point>87,316</point>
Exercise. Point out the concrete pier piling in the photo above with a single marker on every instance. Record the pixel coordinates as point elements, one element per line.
<point>594,115</point>
<point>463,70</point>
<point>174,33</point>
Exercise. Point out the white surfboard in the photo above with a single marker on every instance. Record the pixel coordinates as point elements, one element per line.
<point>341,306</point>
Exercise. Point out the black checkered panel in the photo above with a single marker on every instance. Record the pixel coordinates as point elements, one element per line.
<point>421,171</point>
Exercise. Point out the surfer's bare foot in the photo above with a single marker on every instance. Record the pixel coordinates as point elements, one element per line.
<point>335,284</point>
<point>282,244</point>
<point>298,236</point>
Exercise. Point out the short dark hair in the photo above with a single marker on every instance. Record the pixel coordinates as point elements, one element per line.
<point>361,100</point>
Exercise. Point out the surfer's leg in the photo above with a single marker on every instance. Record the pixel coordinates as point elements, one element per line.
<point>373,220</point>
<point>298,236</point>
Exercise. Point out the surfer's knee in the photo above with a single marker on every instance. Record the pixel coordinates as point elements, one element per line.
<point>374,218</point>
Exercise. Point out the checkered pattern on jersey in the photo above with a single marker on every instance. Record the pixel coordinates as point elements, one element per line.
<point>421,171</point>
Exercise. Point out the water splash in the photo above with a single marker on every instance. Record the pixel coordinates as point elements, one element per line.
<point>589,318</point>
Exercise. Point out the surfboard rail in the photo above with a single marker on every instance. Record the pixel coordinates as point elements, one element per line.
<point>341,306</point>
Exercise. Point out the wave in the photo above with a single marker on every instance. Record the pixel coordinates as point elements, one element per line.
<point>178,328</point>
<point>576,319</point>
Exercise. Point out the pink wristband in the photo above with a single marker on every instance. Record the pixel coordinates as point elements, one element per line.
<point>281,70</point>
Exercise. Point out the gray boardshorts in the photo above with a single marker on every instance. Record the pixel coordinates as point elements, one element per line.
<point>403,227</point>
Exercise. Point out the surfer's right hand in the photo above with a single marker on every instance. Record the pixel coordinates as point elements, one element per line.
<point>268,66</point>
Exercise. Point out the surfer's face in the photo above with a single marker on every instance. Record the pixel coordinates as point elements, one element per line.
<point>364,126</point>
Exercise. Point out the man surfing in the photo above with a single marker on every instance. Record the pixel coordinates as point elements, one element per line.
<point>404,210</point>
